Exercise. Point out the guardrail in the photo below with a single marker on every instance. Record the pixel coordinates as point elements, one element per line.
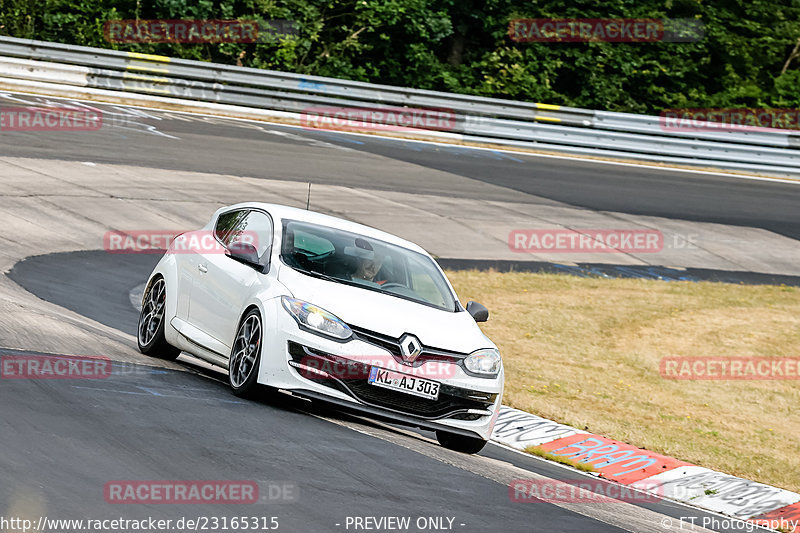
<point>477,119</point>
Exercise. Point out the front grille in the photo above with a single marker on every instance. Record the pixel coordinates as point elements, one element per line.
<point>445,405</point>
<point>466,416</point>
<point>452,402</point>
<point>392,345</point>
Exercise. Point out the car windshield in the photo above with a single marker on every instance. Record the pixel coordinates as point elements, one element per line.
<point>365,262</point>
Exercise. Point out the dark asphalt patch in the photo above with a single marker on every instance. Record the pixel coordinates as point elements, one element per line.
<point>64,440</point>
<point>95,284</point>
<point>144,422</point>
<point>603,270</point>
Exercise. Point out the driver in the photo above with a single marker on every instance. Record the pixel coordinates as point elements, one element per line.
<point>368,269</point>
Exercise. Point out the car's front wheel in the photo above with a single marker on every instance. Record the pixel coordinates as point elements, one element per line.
<point>150,331</point>
<point>460,443</point>
<point>246,355</point>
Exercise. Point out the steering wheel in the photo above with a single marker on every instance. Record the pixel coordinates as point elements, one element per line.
<point>393,284</point>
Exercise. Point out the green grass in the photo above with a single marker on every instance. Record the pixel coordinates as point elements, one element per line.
<point>586,351</point>
<point>539,452</point>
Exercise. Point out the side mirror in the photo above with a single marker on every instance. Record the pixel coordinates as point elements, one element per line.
<point>478,312</point>
<point>244,253</point>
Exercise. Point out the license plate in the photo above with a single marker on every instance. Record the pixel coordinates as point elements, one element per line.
<point>387,379</point>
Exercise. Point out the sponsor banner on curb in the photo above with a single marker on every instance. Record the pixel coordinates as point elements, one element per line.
<point>378,119</point>
<point>181,492</point>
<point>720,492</point>
<point>359,367</point>
<point>614,460</point>
<point>786,518</point>
<point>520,429</point>
<point>175,242</point>
<point>581,490</point>
<point>561,240</point>
<point>664,477</point>
<point>622,30</point>
<point>729,119</point>
<point>54,367</point>
<point>717,523</point>
<point>32,118</point>
<point>730,368</point>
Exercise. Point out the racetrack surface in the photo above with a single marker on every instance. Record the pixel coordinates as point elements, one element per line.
<point>62,440</point>
<point>95,284</point>
<point>243,149</point>
<point>239,438</point>
<point>623,271</point>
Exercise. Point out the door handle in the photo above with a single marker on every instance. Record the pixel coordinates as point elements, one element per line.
<point>202,268</point>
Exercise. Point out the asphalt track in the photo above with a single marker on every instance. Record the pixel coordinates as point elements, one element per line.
<point>241,149</point>
<point>62,441</point>
<point>61,437</point>
<point>623,271</point>
<point>71,439</point>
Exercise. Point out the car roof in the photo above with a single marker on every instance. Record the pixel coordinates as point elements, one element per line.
<point>285,212</point>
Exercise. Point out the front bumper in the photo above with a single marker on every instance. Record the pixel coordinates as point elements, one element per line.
<point>466,405</point>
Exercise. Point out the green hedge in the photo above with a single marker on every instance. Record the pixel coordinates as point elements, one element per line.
<point>463,46</point>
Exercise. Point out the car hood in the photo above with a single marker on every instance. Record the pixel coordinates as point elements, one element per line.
<point>387,314</point>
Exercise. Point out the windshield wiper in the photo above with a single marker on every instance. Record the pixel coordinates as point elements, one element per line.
<point>315,274</point>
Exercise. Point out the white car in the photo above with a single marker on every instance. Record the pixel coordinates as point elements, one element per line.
<point>328,310</point>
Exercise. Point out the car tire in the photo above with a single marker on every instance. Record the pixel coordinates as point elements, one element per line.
<point>150,328</point>
<point>245,358</point>
<point>460,443</point>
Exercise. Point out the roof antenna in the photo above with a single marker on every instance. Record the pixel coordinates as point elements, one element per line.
<point>308,199</point>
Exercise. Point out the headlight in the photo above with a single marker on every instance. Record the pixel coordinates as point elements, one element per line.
<point>316,319</point>
<point>484,363</point>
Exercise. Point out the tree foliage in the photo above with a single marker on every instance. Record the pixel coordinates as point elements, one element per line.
<point>463,46</point>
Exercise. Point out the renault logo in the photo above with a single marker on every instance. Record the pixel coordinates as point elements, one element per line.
<point>410,348</point>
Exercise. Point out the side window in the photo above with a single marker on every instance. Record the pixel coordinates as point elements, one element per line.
<point>246,227</point>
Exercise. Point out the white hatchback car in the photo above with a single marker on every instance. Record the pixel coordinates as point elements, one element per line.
<point>328,310</point>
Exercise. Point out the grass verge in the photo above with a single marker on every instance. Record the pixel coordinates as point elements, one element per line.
<point>539,452</point>
<point>586,351</point>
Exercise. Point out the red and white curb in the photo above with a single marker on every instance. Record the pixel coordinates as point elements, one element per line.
<point>663,476</point>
